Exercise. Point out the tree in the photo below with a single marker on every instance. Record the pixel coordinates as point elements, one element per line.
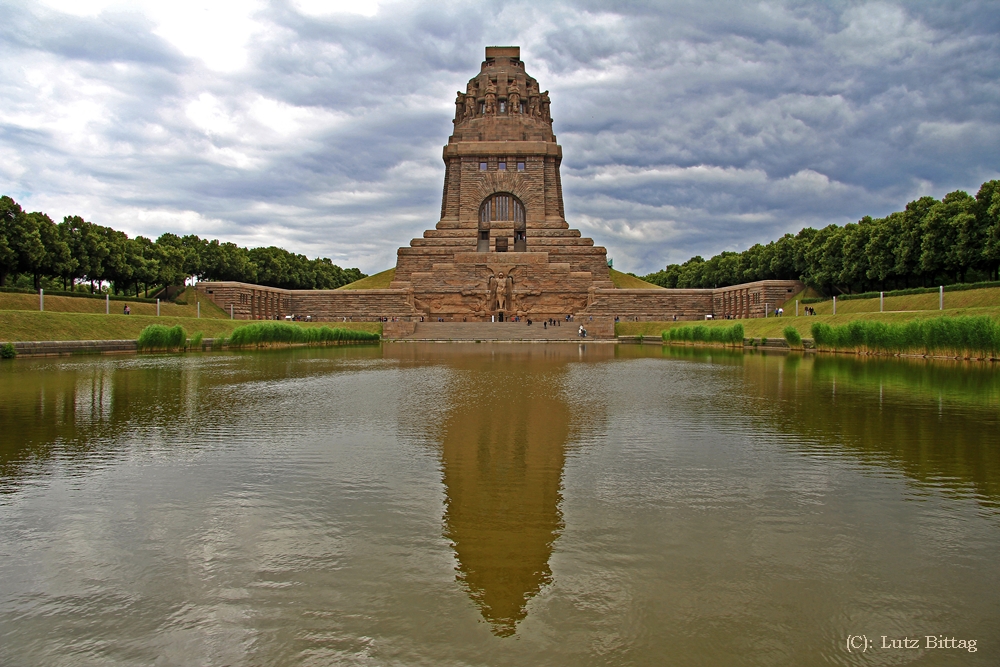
<point>911,240</point>
<point>227,261</point>
<point>28,244</point>
<point>119,266</point>
<point>88,246</point>
<point>987,212</point>
<point>940,236</point>
<point>854,263</point>
<point>880,250</point>
<point>58,259</point>
<point>10,222</point>
<point>172,260</point>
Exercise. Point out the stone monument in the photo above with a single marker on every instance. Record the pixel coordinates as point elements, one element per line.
<point>502,248</point>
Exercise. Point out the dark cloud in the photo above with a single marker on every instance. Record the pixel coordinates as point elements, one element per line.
<point>688,127</point>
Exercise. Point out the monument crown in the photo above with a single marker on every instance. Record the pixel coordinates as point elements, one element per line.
<point>503,102</point>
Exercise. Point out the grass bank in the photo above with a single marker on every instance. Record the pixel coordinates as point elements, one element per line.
<point>957,300</point>
<point>85,304</point>
<point>375,281</point>
<point>625,281</point>
<point>33,325</point>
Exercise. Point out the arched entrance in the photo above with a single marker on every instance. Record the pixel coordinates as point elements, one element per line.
<point>502,207</point>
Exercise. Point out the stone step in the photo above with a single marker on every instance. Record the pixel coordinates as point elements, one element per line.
<point>494,331</point>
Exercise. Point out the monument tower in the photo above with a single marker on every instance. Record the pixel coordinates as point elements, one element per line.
<point>502,247</point>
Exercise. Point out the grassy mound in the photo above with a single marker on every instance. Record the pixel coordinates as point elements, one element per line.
<point>954,336</point>
<point>625,281</point>
<point>376,281</point>
<point>270,333</point>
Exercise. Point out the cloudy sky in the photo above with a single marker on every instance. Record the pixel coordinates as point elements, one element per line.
<point>317,125</point>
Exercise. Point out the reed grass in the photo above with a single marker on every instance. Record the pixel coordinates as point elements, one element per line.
<point>732,335</point>
<point>792,337</point>
<point>196,339</point>
<point>270,333</point>
<point>158,337</point>
<point>977,337</point>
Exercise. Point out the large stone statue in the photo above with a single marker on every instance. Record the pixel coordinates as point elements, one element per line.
<point>491,99</point>
<point>470,102</point>
<point>504,287</point>
<point>513,98</point>
<point>459,106</point>
<point>543,105</point>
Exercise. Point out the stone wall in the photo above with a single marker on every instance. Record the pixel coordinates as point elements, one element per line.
<point>651,304</point>
<point>256,302</point>
<point>753,299</point>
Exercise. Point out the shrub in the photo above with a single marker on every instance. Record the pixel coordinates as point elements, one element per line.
<point>704,334</point>
<point>792,337</point>
<point>961,336</point>
<point>265,333</point>
<point>7,351</point>
<point>196,339</point>
<point>159,337</point>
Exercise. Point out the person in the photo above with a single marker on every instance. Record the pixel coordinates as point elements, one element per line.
<point>545,325</point>
<point>128,311</point>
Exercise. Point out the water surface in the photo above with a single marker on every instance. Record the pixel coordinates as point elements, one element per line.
<point>496,505</point>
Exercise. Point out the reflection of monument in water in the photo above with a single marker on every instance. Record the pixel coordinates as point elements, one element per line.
<point>503,450</point>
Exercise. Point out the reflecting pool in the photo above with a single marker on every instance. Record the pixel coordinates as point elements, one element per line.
<point>520,504</point>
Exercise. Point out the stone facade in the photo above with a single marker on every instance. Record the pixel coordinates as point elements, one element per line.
<point>502,247</point>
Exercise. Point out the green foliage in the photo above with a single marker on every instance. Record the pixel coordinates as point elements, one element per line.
<point>702,334</point>
<point>159,337</point>
<point>74,250</point>
<point>792,337</point>
<point>959,336</point>
<point>195,342</point>
<point>264,333</point>
<point>931,242</point>
<point>7,351</point>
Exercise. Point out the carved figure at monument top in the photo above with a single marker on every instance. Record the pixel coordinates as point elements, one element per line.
<point>513,98</point>
<point>491,99</point>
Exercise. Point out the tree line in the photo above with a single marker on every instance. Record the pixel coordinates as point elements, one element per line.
<point>931,242</point>
<point>33,248</point>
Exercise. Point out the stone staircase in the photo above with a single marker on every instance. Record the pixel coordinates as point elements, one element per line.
<point>495,331</point>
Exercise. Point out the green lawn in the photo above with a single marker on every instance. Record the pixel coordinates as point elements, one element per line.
<point>26,325</point>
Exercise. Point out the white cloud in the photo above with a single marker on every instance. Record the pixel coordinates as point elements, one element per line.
<point>686,128</point>
<point>326,7</point>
